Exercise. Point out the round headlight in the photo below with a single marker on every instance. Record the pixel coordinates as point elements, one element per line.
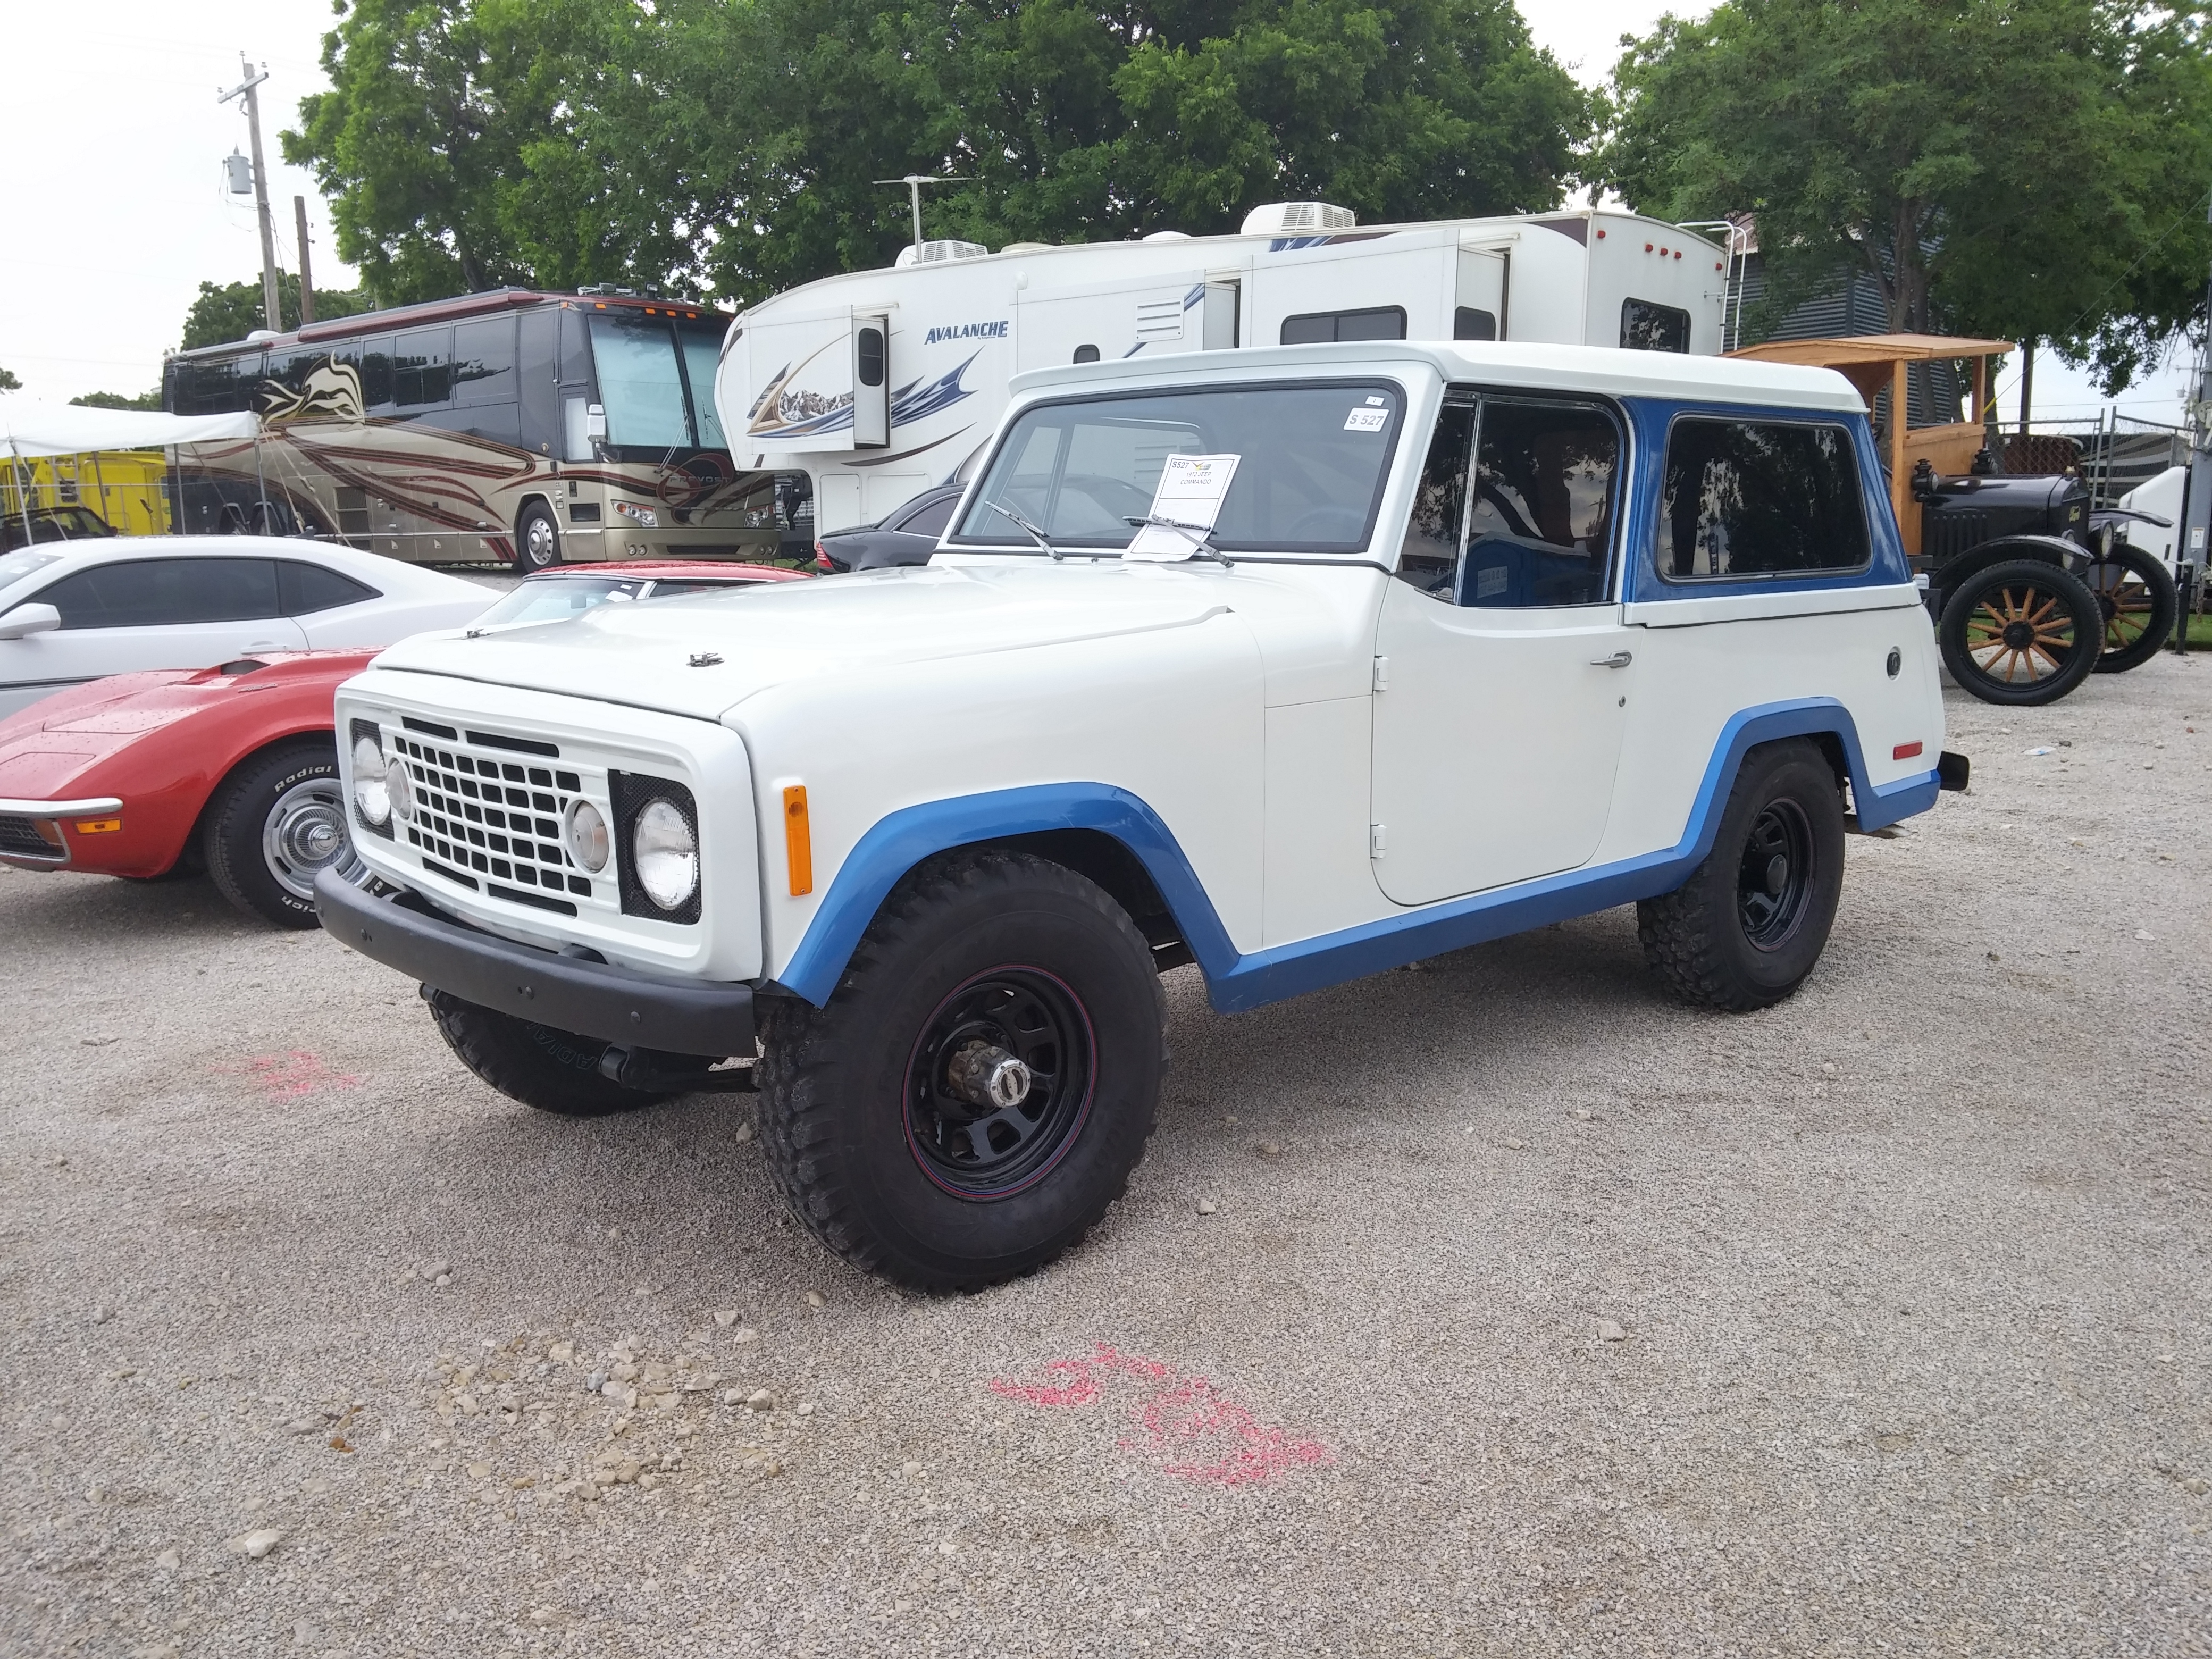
<point>666,854</point>
<point>587,835</point>
<point>369,793</point>
<point>401,789</point>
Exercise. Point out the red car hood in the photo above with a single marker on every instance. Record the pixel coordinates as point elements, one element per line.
<point>55,748</point>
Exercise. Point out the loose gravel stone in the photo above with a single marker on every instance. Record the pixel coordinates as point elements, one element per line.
<point>256,1544</point>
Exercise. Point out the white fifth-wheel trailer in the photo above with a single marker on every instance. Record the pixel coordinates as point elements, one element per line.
<point>877,384</point>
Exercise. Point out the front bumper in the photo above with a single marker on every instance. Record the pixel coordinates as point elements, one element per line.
<point>24,844</point>
<point>576,994</point>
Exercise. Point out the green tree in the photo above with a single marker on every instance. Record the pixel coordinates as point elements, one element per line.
<point>2029,169</point>
<point>9,382</point>
<point>116,400</point>
<point>232,311</point>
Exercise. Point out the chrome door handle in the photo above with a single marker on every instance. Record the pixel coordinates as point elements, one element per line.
<point>1618,660</point>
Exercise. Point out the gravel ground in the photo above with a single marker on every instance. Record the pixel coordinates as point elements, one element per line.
<point>1498,1307</point>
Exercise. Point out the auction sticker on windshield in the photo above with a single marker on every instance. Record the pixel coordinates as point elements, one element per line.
<point>1184,507</point>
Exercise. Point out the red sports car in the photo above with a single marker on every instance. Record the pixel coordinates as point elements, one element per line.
<point>234,769</point>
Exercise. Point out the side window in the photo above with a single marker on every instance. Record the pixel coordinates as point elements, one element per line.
<point>931,520</point>
<point>376,388</point>
<point>1750,498</point>
<point>1540,513</point>
<point>1473,323</point>
<point>302,589</point>
<point>1320,327</point>
<point>1648,327</point>
<point>422,367</point>
<point>1429,557</point>
<point>484,361</point>
<point>165,592</point>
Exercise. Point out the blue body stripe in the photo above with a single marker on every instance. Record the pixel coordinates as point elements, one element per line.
<point>1234,980</point>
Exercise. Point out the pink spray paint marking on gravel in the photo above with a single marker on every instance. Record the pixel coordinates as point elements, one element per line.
<point>287,1077</point>
<point>1185,1426</point>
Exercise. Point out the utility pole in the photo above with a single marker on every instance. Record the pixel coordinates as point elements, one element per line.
<point>2196,516</point>
<point>306,282</point>
<point>245,89</point>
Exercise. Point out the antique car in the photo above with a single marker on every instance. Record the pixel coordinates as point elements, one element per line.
<point>1297,664</point>
<point>232,770</point>
<point>2032,590</point>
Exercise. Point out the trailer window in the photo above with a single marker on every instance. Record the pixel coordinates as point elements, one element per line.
<point>1754,498</point>
<point>1313,459</point>
<point>1321,327</point>
<point>1648,327</point>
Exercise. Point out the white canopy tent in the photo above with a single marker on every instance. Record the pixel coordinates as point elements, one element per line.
<point>29,427</point>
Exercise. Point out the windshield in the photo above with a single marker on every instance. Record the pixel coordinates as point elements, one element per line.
<point>1311,462</point>
<point>558,599</point>
<point>17,566</point>
<point>641,385</point>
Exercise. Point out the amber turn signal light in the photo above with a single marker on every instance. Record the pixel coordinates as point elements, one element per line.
<point>97,826</point>
<point>798,841</point>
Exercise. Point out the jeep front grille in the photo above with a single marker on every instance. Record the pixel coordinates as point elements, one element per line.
<point>480,815</point>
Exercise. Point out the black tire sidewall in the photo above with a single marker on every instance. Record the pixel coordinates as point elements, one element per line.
<point>929,1235</point>
<point>531,514</point>
<point>551,1070</point>
<point>240,812</point>
<point>2166,602</point>
<point>1801,773</point>
<point>1959,610</point>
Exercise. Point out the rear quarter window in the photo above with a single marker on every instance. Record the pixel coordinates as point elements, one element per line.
<point>1750,499</point>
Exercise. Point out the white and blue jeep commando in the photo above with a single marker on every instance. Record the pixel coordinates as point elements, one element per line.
<point>1476,637</point>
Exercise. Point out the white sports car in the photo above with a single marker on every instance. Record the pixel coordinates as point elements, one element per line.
<point>72,611</point>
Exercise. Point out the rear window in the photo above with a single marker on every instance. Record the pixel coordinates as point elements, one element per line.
<point>1312,459</point>
<point>304,589</point>
<point>1755,498</point>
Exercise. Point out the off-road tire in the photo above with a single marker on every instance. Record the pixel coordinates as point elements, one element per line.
<point>238,813</point>
<point>556,1072</point>
<point>1695,936</point>
<point>836,1083</point>
<point>2133,636</point>
<point>2050,603</point>
<point>537,539</point>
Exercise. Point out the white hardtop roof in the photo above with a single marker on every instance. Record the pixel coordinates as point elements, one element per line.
<point>1606,369</point>
<point>1264,240</point>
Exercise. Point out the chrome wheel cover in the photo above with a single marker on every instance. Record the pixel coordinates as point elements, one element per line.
<point>304,833</point>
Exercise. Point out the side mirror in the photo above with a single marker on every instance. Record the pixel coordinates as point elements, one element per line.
<point>595,422</point>
<point>25,619</point>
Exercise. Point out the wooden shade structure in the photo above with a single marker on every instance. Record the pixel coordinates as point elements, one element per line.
<point>1874,363</point>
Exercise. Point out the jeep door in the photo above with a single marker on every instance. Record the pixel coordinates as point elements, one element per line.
<point>1503,670</point>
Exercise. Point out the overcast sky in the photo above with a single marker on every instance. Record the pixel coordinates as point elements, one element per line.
<point>120,210</point>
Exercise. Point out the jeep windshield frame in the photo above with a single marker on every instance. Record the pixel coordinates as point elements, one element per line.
<point>1084,466</point>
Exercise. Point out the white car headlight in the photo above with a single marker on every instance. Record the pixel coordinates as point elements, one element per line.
<point>400,789</point>
<point>370,794</point>
<point>586,832</point>
<point>665,853</point>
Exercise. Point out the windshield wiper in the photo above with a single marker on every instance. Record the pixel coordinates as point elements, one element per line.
<point>1200,536</point>
<point>1034,533</point>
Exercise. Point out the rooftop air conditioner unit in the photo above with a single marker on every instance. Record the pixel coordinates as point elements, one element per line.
<point>1296,219</point>
<point>935,253</point>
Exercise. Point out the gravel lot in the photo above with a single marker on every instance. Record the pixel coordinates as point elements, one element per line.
<point>1496,1307</point>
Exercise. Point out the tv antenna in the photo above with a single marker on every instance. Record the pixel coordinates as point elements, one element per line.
<point>914,182</point>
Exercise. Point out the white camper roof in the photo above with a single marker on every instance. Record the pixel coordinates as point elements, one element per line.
<point>1567,368</point>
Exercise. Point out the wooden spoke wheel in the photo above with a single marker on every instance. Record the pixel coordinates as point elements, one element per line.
<point>2021,632</point>
<point>2139,600</point>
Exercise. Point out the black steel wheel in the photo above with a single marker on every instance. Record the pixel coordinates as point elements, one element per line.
<point>1750,923</point>
<point>2021,633</point>
<point>536,540</point>
<point>1774,878</point>
<point>976,1091</point>
<point>2139,600</point>
<point>999,1082</point>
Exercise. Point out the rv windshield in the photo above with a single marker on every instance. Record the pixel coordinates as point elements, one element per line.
<point>1313,457</point>
<point>641,381</point>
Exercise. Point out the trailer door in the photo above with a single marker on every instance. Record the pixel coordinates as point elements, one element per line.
<point>872,382</point>
<point>1478,296</point>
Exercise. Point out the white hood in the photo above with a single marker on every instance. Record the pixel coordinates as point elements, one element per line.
<point>644,655</point>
